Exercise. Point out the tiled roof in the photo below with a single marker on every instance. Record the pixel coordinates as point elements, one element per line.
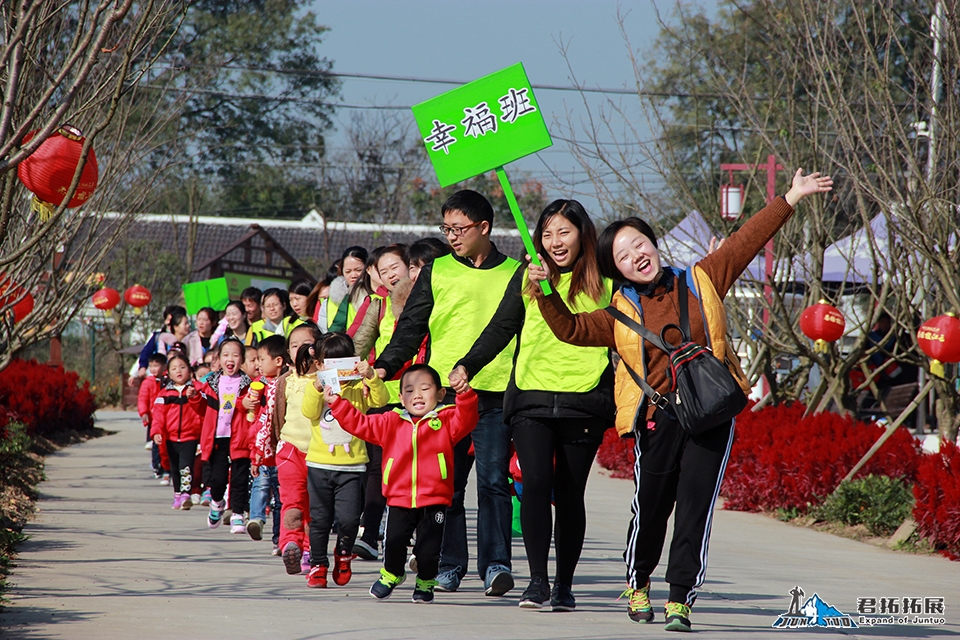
<point>309,240</point>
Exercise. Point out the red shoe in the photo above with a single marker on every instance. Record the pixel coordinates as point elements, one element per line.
<point>317,578</point>
<point>341,568</point>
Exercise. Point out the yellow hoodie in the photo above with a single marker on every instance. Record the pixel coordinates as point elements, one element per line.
<point>330,446</point>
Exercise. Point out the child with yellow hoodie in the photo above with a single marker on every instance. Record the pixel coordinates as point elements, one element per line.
<point>335,462</point>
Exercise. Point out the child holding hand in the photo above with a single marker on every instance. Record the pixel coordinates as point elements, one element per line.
<point>417,470</point>
<point>336,461</point>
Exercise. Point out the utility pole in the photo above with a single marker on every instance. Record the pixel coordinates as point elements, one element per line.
<point>771,167</point>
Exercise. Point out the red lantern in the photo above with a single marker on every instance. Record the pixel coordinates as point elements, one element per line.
<point>137,297</point>
<point>48,171</point>
<point>15,301</point>
<point>940,339</point>
<point>823,324</point>
<point>106,299</point>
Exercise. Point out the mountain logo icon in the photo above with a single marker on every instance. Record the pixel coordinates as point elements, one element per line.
<point>814,612</point>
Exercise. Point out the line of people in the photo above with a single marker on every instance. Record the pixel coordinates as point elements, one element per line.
<point>461,358</point>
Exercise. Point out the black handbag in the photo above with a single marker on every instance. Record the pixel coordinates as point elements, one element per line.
<point>704,394</point>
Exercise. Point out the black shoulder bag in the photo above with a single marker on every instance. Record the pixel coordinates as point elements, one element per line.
<point>704,394</point>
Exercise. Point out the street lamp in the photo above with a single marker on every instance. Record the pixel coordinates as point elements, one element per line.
<point>771,167</point>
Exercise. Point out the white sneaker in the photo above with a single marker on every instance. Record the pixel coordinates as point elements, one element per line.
<point>236,524</point>
<point>165,480</point>
<point>195,498</point>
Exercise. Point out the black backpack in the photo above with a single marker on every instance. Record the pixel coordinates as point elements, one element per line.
<point>704,394</point>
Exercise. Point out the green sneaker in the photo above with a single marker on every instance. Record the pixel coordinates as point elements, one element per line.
<point>677,616</point>
<point>423,591</point>
<point>638,604</point>
<point>383,588</point>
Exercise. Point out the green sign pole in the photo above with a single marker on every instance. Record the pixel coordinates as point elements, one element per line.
<point>521,225</point>
<point>484,125</point>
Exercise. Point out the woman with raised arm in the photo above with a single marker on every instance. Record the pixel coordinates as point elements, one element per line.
<point>559,400</point>
<point>672,467</point>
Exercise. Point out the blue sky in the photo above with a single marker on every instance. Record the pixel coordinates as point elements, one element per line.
<point>461,40</point>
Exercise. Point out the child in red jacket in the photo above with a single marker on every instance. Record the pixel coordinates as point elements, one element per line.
<point>417,470</point>
<point>224,441</point>
<point>177,419</point>
<point>149,389</point>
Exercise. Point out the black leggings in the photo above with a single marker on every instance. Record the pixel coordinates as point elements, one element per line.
<point>571,444</point>
<point>182,456</point>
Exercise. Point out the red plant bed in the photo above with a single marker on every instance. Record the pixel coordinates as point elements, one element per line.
<point>46,399</point>
<point>781,460</point>
<point>937,494</point>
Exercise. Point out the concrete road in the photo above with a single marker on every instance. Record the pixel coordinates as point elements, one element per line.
<point>107,558</point>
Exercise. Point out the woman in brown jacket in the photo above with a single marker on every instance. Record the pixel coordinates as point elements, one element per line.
<point>672,467</point>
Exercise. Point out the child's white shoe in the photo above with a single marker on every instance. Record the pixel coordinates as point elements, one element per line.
<point>236,524</point>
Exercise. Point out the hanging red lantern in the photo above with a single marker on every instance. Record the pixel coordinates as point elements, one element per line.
<point>106,299</point>
<point>137,297</point>
<point>823,324</point>
<point>940,339</point>
<point>48,171</point>
<point>16,302</point>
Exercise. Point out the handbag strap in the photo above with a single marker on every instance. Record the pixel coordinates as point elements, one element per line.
<point>684,300</point>
<point>654,339</point>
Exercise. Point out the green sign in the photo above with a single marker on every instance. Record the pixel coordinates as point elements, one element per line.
<point>237,282</point>
<point>206,293</point>
<point>482,125</point>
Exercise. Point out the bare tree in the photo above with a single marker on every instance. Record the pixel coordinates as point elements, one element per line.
<point>85,64</point>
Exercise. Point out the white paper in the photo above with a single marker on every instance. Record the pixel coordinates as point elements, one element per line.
<point>329,379</point>
<point>346,368</point>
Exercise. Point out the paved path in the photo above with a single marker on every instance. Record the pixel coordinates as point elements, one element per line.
<point>107,558</point>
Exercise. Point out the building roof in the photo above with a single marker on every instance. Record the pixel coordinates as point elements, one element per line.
<point>309,241</point>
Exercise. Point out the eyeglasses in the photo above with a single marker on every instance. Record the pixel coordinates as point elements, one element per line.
<point>456,231</point>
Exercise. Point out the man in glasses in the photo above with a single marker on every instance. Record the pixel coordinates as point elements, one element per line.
<point>452,301</point>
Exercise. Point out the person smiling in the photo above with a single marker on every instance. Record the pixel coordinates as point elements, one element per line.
<point>558,413</point>
<point>672,467</point>
<point>452,300</point>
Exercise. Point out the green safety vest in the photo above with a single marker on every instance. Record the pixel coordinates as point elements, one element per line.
<point>387,325</point>
<point>464,301</point>
<point>333,307</point>
<point>547,364</point>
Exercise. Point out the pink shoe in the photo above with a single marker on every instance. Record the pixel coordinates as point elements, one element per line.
<point>177,502</point>
<point>305,562</point>
<point>185,502</point>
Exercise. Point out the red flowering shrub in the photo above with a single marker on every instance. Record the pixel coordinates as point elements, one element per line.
<point>46,399</point>
<point>937,494</point>
<point>781,460</point>
<point>616,454</point>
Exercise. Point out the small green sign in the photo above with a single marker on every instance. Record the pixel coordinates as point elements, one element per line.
<point>482,125</point>
<point>237,282</point>
<point>206,293</point>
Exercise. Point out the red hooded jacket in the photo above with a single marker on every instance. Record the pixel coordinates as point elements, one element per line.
<point>149,389</point>
<point>176,417</point>
<point>417,452</point>
<point>239,425</point>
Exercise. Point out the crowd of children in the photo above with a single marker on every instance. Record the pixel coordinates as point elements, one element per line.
<point>245,424</point>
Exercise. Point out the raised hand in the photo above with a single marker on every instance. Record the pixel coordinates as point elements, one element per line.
<point>805,185</point>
